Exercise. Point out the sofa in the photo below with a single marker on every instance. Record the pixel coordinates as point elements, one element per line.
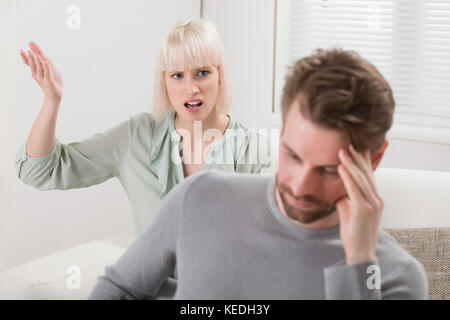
<point>416,214</point>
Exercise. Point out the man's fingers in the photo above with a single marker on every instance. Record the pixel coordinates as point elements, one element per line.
<point>364,162</point>
<point>359,176</point>
<point>360,159</point>
<point>343,206</point>
<point>352,189</point>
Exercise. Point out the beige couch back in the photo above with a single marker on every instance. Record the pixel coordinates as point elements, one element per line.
<point>431,246</point>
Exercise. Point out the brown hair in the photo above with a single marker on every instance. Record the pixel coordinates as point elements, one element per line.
<point>339,89</point>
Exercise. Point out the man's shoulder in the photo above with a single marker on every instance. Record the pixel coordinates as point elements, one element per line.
<point>393,257</point>
<point>226,178</point>
<point>218,181</point>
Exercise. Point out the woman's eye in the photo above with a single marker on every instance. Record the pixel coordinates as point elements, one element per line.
<point>203,73</point>
<point>177,76</point>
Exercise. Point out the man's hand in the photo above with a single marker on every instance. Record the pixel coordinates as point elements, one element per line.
<point>359,212</point>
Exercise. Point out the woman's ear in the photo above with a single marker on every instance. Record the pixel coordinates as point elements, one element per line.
<point>219,72</point>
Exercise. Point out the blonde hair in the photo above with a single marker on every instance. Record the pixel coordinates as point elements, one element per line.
<point>190,44</point>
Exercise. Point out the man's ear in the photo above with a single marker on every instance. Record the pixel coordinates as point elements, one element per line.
<point>378,155</point>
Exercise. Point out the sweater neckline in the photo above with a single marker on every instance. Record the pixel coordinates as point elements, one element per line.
<point>292,228</point>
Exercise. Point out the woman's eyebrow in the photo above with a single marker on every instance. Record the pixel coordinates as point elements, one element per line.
<point>201,68</point>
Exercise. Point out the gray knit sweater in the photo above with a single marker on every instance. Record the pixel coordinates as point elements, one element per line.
<point>223,237</point>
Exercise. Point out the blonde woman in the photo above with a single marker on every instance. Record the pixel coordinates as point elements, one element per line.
<point>151,152</point>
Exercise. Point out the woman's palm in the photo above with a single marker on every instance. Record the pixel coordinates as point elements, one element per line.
<point>44,72</point>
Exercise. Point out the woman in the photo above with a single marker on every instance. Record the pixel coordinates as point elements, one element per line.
<point>149,153</point>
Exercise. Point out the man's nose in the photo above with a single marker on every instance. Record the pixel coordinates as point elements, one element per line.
<point>304,183</point>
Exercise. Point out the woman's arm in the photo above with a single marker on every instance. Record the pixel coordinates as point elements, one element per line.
<point>42,135</point>
<point>44,162</point>
<point>77,164</point>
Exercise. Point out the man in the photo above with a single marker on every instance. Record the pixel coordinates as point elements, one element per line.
<point>310,232</point>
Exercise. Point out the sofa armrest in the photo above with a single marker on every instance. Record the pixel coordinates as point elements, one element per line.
<point>67,274</point>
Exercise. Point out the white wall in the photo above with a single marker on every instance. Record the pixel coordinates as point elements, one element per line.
<point>108,69</point>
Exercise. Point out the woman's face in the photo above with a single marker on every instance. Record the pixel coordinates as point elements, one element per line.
<point>193,92</point>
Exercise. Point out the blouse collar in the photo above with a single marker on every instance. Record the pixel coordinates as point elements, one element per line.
<point>165,140</point>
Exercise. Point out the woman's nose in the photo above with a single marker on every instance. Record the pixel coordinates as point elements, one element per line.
<point>195,89</point>
<point>192,88</point>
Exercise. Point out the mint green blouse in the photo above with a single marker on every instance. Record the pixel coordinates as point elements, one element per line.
<point>144,155</point>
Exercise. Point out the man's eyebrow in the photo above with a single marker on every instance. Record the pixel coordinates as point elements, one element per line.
<point>331,166</point>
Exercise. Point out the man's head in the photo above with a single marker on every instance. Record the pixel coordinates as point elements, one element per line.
<point>330,100</point>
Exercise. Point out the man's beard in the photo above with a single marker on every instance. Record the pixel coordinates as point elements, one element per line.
<point>304,216</point>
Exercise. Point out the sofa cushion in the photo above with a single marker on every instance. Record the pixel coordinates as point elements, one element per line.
<point>430,246</point>
<point>50,277</point>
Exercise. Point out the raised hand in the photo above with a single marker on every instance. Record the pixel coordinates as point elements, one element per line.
<point>359,212</point>
<point>44,72</point>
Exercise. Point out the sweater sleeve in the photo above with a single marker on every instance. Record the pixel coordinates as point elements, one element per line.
<point>151,259</point>
<point>77,164</point>
<point>367,281</point>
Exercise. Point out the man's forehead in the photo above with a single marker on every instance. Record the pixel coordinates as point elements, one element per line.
<point>310,140</point>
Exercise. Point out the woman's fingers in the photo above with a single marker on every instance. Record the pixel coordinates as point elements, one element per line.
<point>46,71</point>
<point>39,67</point>
<point>38,51</point>
<point>43,71</point>
<point>32,64</point>
<point>24,57</point>
<point>36,64</point>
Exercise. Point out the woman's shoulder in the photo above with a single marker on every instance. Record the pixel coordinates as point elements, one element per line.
<point>146,129</point>
<point>142,119</point>
<point>245,133</point>
<point>147,122</point>
<point>254,144</point>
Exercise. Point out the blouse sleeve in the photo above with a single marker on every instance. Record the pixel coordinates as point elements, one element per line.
<point>77,164</point>
<point>258,155</point>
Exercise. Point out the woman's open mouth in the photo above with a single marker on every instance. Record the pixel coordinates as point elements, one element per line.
<point>193,105</point>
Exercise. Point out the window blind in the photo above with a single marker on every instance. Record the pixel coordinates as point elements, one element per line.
<point>407,40</point>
